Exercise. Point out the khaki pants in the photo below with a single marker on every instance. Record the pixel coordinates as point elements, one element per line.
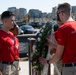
<point>59,66</point>
<point>69,71</point>
<point>16,63</point>
<point>7,69</point>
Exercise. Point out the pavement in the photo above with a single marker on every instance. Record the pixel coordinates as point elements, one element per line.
<point>24,65</point>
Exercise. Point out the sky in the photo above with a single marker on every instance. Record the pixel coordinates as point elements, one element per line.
<point>43,5</point>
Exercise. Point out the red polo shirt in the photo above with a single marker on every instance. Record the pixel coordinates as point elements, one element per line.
<point>7,44</point>
<point>17,48</point>
<point>66,36</point>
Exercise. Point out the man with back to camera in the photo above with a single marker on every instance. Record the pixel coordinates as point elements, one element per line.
<point>66,39</point>
<point>7,44</point>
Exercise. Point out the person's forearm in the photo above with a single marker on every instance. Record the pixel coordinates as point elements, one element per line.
<point>53,60</point>
<point>58,54</point>
<point>54,45</point>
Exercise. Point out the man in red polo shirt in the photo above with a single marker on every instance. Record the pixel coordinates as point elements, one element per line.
<point>66,39</point>
<point>7,44</point>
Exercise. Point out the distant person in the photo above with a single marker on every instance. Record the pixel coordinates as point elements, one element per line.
<point>55,28</point>
<point>66,41</point>
<point>7,44</point>
<point>15,31</point>
<point>59,23</point>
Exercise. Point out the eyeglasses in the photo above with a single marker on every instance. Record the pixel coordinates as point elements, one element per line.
<point>60,12</point>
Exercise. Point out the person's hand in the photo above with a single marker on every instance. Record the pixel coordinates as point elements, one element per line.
<point>1,73</point>
<point>42,60</point>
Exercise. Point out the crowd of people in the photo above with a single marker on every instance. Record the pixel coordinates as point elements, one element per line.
<point>65,36</point>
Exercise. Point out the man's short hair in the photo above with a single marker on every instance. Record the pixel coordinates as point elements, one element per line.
<point>6,14</point>
<point>65,7</point>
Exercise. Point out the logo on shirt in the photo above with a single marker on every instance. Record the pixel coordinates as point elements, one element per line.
<point>73,32</point>
<point>16,46</point>
<point>59,39</point>
<point>12,41</point>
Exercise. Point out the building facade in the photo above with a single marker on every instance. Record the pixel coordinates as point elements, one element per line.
<point>22,12</point>
<point>74,12</point>
<point>19,13</point>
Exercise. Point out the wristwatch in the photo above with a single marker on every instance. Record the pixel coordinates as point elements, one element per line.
<point>48,61</point>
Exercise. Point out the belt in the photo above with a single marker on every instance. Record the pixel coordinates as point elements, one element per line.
<point>16,59</point>
<point>3,62</point>
<point>69,65</point>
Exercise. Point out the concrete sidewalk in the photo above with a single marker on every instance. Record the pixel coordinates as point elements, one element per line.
<point>24,65</point>
<point>24,68</point>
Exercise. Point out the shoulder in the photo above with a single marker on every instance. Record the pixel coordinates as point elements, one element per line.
<point>68,25</point>
<point>2,33</point>
<point>64,26</point>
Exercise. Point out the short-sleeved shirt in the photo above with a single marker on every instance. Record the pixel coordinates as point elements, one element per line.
<point>7,44</point>
<point>17,48</point>
<point>66,36</point>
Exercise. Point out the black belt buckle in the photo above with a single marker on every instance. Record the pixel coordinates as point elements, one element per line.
<point>16,59</point>
<point>69,65</point>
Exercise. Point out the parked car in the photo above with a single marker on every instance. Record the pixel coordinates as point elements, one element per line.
<point>28,29</point>
<point>35,24</point>
<point>21,31</point>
